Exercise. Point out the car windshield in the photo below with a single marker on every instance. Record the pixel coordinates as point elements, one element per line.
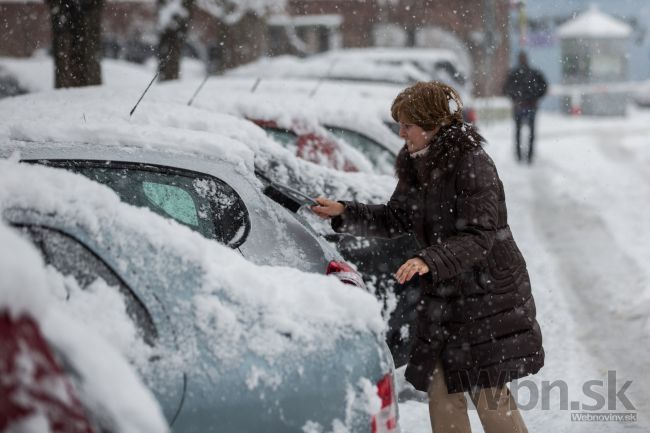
<point>380,157</point>
<point>200,202</point>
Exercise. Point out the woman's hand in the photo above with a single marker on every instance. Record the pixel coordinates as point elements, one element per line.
<point>327,208</point>
<point>412,266</point>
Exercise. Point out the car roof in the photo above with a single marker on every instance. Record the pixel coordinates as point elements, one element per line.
<point>100,116</point>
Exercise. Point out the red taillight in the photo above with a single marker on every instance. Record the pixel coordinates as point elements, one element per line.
<point>345,273</point>
<point>386,420</point>
<point>335,267</point>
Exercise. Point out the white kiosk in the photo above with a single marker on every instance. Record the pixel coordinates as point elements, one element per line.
<point>594,47</point>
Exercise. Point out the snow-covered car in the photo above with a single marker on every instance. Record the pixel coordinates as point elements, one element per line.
<point>212,189</point>
<point>224,344</point>
<point>311,125</point>
<point>435,63</point>
<point>55,375</point>
<point>311,145</point>
<point>316,67</point>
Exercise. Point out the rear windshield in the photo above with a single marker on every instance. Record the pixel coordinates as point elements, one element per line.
<point>201,202</point>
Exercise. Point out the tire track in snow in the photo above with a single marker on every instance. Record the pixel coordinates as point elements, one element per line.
<point>605,282</point>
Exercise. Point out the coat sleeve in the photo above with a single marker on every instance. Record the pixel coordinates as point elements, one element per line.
<point>389,220</point>
<point>477,214</point>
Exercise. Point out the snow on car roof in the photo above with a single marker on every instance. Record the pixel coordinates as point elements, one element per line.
<point>288,105</point>
<point>353,69</point>
<point>106,383</point>
<point>100,115</point>
<point>227,280</point>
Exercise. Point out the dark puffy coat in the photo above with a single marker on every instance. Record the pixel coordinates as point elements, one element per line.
<point>525,86</point>
<point>476,309</point>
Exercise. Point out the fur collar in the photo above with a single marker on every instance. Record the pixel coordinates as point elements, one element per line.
<point>446,148</point>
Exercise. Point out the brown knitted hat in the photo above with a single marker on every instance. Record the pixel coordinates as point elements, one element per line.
<point>429,105</point>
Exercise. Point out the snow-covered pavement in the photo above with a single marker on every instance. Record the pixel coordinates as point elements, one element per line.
<point>580,215</point>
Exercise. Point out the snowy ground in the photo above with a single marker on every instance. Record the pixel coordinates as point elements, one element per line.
<point>580,216</point>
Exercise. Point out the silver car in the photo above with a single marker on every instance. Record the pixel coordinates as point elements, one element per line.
<point>208,195</point>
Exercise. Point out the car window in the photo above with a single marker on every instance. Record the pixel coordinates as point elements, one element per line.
<point>203,203</point>
<point>380,157</point>
<point>282,136</point>
<point>70,257</point>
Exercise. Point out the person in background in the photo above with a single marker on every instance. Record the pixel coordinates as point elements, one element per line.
<point>476,328</point>
<point>525,86</point>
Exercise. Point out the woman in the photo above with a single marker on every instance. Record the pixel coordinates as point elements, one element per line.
<point>476,327</point>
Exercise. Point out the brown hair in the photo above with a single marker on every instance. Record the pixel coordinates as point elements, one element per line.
<point>429,105</point>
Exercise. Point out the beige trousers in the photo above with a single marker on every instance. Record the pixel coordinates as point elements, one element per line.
<point>496,409</point>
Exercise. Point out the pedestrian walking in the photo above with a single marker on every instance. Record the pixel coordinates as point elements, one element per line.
<point>476,328</point>
<point>525,86</point>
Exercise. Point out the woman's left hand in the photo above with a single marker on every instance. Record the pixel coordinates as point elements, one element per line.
<point>412,266</point>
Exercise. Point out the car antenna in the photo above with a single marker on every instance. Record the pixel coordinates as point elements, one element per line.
<point>257,83</point>
<point>198,89</point>
<point>321,79</point>
<point>143,93</point>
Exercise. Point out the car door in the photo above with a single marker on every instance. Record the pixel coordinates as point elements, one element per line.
<point>81,268</point>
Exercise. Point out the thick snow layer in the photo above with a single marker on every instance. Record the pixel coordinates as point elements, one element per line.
<point>21,287</point>
<point>101,115</point>
<point>293,110</point>
<point>594,24</point>
<point>105,383</point>
<point>425,58</point>
<point>579,215</point>
<point>320,67</point>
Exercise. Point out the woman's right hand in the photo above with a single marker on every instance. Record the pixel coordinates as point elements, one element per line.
<point>327,208</point>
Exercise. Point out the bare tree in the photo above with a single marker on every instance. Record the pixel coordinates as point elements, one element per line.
<point>76,41</point>
<point>173,22</point>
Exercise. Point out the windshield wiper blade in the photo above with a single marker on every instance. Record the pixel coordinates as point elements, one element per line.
<point>288,197</point>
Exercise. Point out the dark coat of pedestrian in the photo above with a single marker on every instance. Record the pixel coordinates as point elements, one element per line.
<point>525,86</point>
<point>476,326</point>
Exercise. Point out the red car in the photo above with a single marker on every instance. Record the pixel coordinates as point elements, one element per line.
<point>309,145</point>
<point>33,385</point>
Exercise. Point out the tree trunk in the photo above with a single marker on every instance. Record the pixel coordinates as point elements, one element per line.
<point>172,38</point>
<point>76,42</point>
<point>243,41</point>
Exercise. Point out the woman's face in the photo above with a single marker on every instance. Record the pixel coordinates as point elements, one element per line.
<point>416,138</point>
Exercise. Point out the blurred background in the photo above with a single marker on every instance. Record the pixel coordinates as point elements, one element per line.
<point>212,36</point>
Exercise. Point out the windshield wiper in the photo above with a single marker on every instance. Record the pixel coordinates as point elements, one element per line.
<point>286,196</point>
